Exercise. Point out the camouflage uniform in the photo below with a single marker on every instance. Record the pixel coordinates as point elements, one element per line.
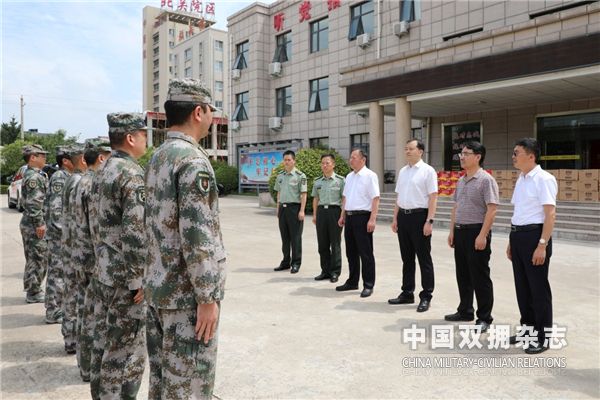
<point>188,261</point>
<point>54,280</point>
<point>33,191</point>
<point>121,250</point>
<point>69,304</point>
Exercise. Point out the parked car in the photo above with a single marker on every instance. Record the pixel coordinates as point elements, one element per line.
<point>14,190</point>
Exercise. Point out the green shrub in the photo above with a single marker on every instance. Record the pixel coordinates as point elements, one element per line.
<point>226,175</point>
<point>145,159</point>
<point>309,162</point>
<point>4,189</point>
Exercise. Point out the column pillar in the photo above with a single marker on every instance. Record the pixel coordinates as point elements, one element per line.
<point>213,144</point>
<point>376,157</point>
<point>403,130</point>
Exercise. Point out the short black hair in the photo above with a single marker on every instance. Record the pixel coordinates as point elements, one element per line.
<point>477,148</point>
<point>531,146</point>
<point>328,155</point>
<point>61,158</point>
<point>26,157</point>
<point>178,112</point>
<point>420,144</point>
<point>289,153</point>
<point>91,155</point>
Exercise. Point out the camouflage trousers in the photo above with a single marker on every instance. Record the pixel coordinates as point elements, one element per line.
<point>35,250</point>
<point>119,352</point>
<point>181,367</point>
<point>69,305</point>
<point>54,280</point>
<point>85,324</point>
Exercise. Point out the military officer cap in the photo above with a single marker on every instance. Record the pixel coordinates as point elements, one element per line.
<point>75,149</point>
<point>190,90</point>
<point>123,122</point>
<point>98,144</point>
<point>33,149</point>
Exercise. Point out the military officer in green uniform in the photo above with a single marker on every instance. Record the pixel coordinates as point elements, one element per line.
<point>291,201</point>
<point>327,200</point>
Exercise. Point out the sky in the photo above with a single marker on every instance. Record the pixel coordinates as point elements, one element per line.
<point>76,61</point>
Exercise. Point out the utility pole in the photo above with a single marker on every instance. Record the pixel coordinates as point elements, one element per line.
<point>22,106</point>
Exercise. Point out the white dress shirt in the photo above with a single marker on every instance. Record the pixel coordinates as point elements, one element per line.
<point>415,184</point>
<point>360,190</point>
<point>532,192</point>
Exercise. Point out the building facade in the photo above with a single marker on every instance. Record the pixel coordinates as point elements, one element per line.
<point>180,44</point>
<point>376,73</point>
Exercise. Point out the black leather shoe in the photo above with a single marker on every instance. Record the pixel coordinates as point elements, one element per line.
<point>423,305</point>
<point>484,326</point>
<point>458,317</point>
<point>295,269</point>
<point>402,299</point>
<point>281,268</point>
<point>366,292</point>
<point>334,278</point>
<point>536,348</point>
<point>513,339</point>
<point>345,287</point>
<point>321,277</point>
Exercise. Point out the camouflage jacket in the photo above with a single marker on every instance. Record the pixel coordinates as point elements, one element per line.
<point>182,218</point>
<point>54,205</point>
<point>83,249</point>
<point>120,239</point>
<point>68,215</point>
<point>33,192</point>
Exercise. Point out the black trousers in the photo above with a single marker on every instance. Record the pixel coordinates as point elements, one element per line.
<point>473,274</point>
<point>329,238</point>
<point>359,250</point>
<point>413,242</point>
<point>290,229</point>
<point>531,281</point>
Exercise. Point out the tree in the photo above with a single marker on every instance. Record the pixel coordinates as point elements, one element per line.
<point>10,131</point>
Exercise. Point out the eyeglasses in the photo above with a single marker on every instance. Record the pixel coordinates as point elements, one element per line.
<point>464,154</point>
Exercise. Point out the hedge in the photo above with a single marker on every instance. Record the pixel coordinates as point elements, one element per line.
<point>226,175</point>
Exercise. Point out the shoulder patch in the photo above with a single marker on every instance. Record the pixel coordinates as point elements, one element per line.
<point>32,184</point>
<point>203,182</point>
<point>140,194</point>
<point>57,187</point>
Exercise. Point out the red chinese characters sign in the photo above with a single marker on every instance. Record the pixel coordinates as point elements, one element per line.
<point>278,20</point>
<point>210,8</point>
<point>332,4</point>
<point>195,6</point>
<point>304,10</point>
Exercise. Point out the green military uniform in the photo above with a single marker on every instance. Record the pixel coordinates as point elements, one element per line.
<point>290,186</point>
<point>329,233</point>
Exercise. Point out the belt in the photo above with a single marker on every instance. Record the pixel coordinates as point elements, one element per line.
<point>467,226</point>
<point>289,204</point>
<point>412,211</point>
<point>358,212</point>
<point>326,206</point>
<point>525,228</point>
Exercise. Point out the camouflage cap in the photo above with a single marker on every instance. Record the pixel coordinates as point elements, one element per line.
<point>33,149</point>
<point>75,149</point>
<point>123,122</point>
<point>98,144</point>
<point>62,151</point>
<point>192,90</point>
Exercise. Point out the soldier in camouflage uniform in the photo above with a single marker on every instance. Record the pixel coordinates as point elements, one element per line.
<point>186,277</point>
<point>121,257</point>
<point>33,226</point>
<point>53,205</point>
<point>69,303</point>
<point>83,255</point>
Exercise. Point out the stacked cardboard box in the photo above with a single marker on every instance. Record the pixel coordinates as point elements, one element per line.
<point>577,185</point>
<point>588,187</point>
<point>506,179</point>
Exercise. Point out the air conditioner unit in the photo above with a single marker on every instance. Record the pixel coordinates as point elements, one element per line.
<point>275,123</point>
<point>363,40</point>
<point>401,28</point>
<point>236,74</point>
<point>235,125</point>
<point>275,69</point>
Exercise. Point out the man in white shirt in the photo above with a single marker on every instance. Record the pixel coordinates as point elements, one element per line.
<point>360,203</point>
<point>530,244</point>
<point>413,223</point>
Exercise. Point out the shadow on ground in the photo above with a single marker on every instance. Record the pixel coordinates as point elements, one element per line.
<point>39,377</point>
<point>31,351</point>
<point>14,321</point>
<point>7,301</point>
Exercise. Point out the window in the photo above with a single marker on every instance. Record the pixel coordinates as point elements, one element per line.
<point>219,103</point>
<point>319,35</point>
<point>241,55</point>
<point>187,55</point>
<point>187,73</point>
<point>218,66</point>
<point>319,143</point>
<point>172,32</point>
<point>241,107</point>
<point>155,63</point>
<point>283,101</point>
<point>171,44</point>
<point>156,87</point>
<point>155,51</point>
<point>319,95</point>
<point>155,99</point>
<point>360,141</point>
<point>361,20</point>
<point>283,52</point>
<point>218,45</point>
<point>155,75</point>
<point>219,86</point>
<point>155,38</point>
<point>175,58</point>
<point>410,10</point>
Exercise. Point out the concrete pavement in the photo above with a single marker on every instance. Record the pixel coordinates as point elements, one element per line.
<point>286,336</point>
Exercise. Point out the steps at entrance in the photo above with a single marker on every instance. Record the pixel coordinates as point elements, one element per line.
<point>574,221</point>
